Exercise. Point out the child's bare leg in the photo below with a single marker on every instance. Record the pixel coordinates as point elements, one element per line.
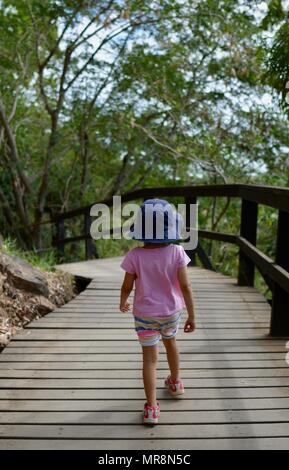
<point>173,357</point>
<point>150,360</point>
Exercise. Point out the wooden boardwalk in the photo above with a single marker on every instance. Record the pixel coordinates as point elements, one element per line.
<point>72,380</point>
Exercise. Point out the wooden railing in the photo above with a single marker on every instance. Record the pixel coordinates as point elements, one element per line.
<point>275,272</point>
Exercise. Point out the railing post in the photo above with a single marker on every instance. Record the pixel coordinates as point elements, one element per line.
<point>280,301</point>
<point>190,253</point>
<point>59,235</point>
<point>90,248</point>
<point>248,230</point>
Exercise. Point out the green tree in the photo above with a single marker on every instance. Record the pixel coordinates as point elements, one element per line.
<point>98,98</point>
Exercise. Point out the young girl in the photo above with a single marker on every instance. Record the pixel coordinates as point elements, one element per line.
<point>162,289</point>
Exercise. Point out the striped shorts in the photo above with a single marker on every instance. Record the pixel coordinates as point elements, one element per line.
<point>151,329</point>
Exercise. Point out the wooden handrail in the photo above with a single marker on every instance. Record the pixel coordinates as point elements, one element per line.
<point>275,197</point>
<point>275,273</point>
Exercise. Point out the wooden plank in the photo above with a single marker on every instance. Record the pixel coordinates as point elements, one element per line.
<point>186,357</point>
<point>134,357</point>
<point>94,318</point>
<point>113,312</point>
<point>109,312</point>
<point>132,394</point>
<point>91,318</point>
<point>199,296</point>
<point>206,297</point>
<point>137,374</point>
<point>102,324</point>
<point>137,365</point>
<point>105,310</point>
<point>128,348</point>
<point>218,295</point>
<point>198,289</point>
<point>202,321</point>
<point>91,406</point>
<point>136,383</point>
<point>266,342</point>
<point>204,306</point>
<point>213,325</point>
<point>133,347</point>
<point>74,334</point>
<point>125,325</point>
<point>254,443</point>
<point>91,333</point>
<point>202,287</point>
<point>110,417</point>
<point>208,302</point>
<point>181,431</point>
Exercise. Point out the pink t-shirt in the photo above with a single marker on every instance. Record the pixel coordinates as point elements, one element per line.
<point>157,289</point>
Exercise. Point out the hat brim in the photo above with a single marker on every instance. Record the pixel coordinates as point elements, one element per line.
<point>144,240</point>
<point>151,240</point>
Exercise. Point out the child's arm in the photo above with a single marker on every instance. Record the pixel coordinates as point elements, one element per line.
<point>185,286</point>
<point>126,289</point>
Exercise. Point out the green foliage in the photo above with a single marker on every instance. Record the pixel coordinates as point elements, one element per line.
<point>277,58</point>
<point>44,261</point>
<point>275,13</point>
<point>110,248</point>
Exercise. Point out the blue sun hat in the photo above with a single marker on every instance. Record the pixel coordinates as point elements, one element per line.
<point>157,222</point>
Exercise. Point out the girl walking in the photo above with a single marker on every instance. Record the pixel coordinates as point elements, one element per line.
<point>158,270</point>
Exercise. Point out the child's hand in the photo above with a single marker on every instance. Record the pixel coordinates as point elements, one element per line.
<point>125,307</point>
<point>190,325</point>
